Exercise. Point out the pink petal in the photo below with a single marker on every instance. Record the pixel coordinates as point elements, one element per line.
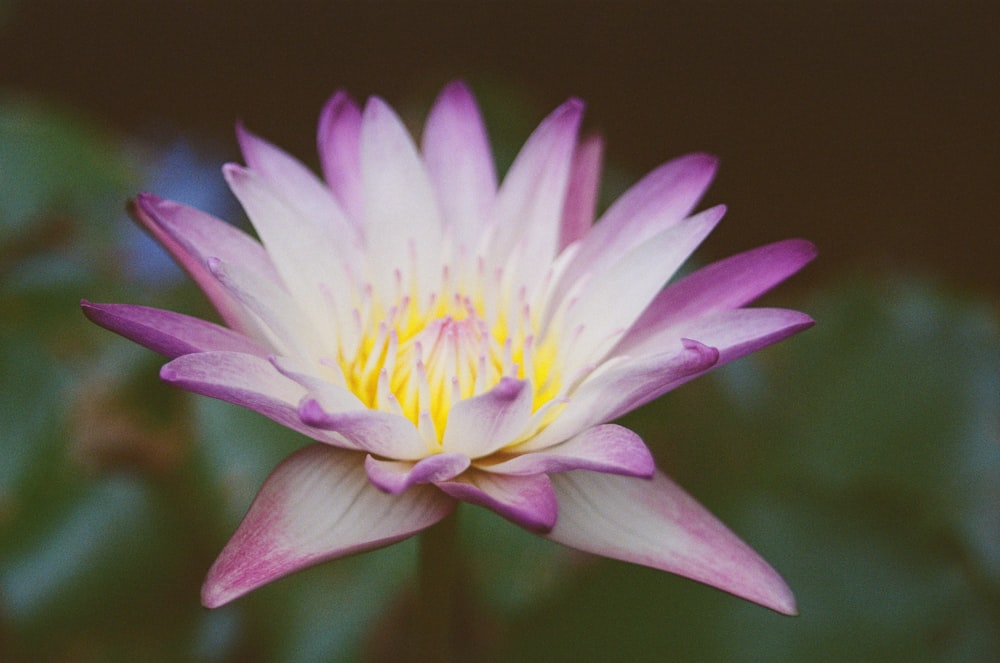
<point>482,424</point>
<point>317,505</point>
<point>460,162</point>
<point>621,385</point>
<point>655,523</point>
<point>530,202</point>
<point>661,199</point>
<point>527,501</point>
<point>171,334</point>
<point>380,433</point>
<point>394,476</point>
<point>584,186</point>
<point>192,236</point>
<point>605,448</point>
<point>339,142</point>
<point>726,284</point>
<point>403,223</point>
<point>245,380</point>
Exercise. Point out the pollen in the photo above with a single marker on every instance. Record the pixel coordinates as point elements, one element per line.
<point>419,358</point>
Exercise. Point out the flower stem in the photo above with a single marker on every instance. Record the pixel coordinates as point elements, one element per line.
<point>437,602</point>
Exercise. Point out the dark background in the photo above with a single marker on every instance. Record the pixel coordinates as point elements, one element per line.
<point>869,127</point>
<point>861,458</point>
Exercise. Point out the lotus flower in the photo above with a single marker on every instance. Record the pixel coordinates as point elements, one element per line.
<point>443,337</point>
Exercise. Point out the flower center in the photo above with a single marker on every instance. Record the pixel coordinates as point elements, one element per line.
<point>420,360</point>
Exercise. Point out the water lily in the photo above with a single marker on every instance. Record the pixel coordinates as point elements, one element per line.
<point>446,337</point>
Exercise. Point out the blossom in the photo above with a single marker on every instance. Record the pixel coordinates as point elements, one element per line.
<point>443,337</point>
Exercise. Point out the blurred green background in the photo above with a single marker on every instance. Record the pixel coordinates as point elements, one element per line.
<point>862,459</point>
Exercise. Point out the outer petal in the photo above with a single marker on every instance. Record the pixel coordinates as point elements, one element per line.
<point>339,142</point>
<point>480,425</point>
<point>527,501</point>
<point>621,385</point>
<point>403,223</point>
<point>661,199</point>
<point>725,284</point>
<point>584,185</point>
<point>607,448</point>
<point>317,505</point>
<point>380,433</point>
<point>171,334</point>
<point>192,236</point>
<point>394,476</point>
<point>460,163</point>
<point>655,523</point>
<point>245,380</point>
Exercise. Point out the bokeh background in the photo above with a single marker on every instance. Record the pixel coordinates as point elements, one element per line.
<point>862,458</point>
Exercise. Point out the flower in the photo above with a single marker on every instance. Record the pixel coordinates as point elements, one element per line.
<point>444,338</point>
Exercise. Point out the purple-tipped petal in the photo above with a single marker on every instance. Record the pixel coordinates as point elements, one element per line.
<point>726,284</point>
<point>395,476</point>
<point>629,285</point>
<point>379,433</point>
<point>530,201</point>
<point>482,424</point>
<point>584,186</point>
<point>460,163</point>
<point>192,236</point>
<point>171,334</point>
<point>316,505</point>
<point>403,224</point>
<point>662,198</point>
<point>655,523</point>
<point>622,385</point>
<point>527,501</point>
<point>605,448</point>
<point>245,380</point>
<point>339,143</point>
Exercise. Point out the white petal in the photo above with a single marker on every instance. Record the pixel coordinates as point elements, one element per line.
<point>615,299</point>
<point>403,224</point>
<point>480,425</point>
<point>655,523</point>
<point>621,385</point>
<point>316,259</point>
<point>662,198</point>
<point>287,328</point>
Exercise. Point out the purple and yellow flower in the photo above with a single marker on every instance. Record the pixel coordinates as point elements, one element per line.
<point>446,337</point>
